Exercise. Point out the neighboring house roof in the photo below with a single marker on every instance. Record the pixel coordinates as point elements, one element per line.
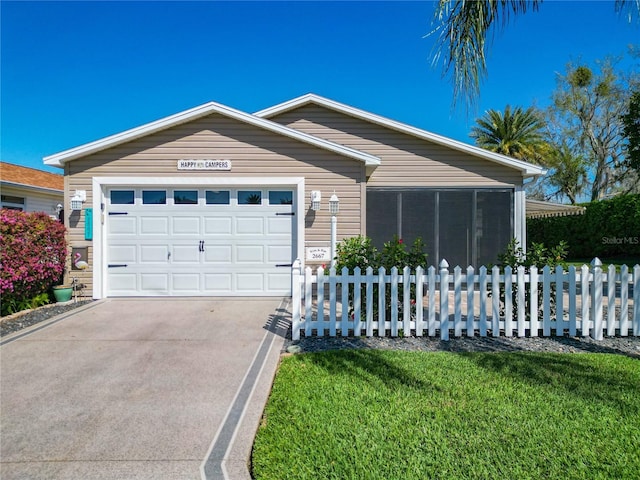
<point>527,169</point>
<point>540,209</point>
<point>59,159</point>
<point>17,175</point>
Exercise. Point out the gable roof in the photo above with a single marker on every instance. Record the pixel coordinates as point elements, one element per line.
<point>527,169</point>
<point>18,175</point>
<point>59,159</point>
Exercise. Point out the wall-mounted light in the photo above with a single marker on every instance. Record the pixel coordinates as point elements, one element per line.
<point>59,208</point>
<point>78,198</point>
<point>316,196</point>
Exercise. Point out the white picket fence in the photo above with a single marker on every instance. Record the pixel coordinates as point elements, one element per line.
<point>587,301</point>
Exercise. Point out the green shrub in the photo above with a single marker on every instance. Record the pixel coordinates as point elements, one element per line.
<point>537,255</point>
<point>360,252</point>
<point>608,228</point>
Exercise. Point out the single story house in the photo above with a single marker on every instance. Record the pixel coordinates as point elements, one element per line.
<point>216,201</point>
<point>30,190</point>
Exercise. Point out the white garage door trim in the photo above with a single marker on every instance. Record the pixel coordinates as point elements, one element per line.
<point>100,185</point>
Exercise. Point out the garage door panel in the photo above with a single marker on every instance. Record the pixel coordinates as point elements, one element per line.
<point>122,225</point>
<point>154,253</point>
<point>250,226</point>
<point>185,282</point>
<point>218,254</point>
<point>278,253</point>
<point>186,254</point>
<point>154,226</point>
<point>182,226</point>
<point>122,282</point>
<point>279,225</point>
<point>122,253</point>
<point>218,225</point>
<point>154,282</point>
<point>218,282</point>
<point>249,282</point>
<point>250,254</point>
<point>279,282</point>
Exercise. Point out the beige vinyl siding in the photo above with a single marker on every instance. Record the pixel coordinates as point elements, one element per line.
<point>254,152</point>
<point>407,161</point>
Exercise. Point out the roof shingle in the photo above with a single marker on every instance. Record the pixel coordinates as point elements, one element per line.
<point>30,176</point>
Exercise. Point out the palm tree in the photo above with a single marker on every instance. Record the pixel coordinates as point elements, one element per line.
<point>517,133</point>
<point>463,27</point>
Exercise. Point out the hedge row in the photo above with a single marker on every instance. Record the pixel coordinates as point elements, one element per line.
<point>608,228</point>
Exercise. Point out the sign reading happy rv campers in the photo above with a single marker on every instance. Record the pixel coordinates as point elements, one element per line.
<point>204,164</point>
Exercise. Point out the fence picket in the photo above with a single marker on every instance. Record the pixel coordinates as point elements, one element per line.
<point>636,300</point>
<point>624,300</point>
<point>320,317</point>
<point>611,300</point>
<point>534,323</point>
<point>369,302</point>
<point>596,299</point>
<point>444,300</point>
<point>470,301</point>
<point>559,301</point>
<point>508,301</point>
<point>382,328</point>
<point>483,301</point>
<point>514,304</point>
<point>572,300</point>
<point>406,300</point>
<point>546,301</point>
<point>308,301</point>
<point>432,301</point>
<point>495,301</point>
<point>457,289</point>
<point>357,302</point>
<point>419,301</point>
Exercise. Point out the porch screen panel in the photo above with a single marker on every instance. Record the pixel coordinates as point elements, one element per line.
<point>419,220</point>
<point>456,227</point>
<point>382,216</point>
<point>494,224</point>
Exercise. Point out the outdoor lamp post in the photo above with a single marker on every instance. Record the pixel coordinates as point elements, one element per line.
<point>334,207</point>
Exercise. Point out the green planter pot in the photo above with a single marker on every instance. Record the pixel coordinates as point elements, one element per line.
<point>62,293</point>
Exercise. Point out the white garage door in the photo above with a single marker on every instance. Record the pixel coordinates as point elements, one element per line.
<point>199,241</point>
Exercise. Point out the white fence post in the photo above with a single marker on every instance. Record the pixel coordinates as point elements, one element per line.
<point>296,300</point>
<point>406,299</point>
<point>394,301</point>
<point>308,301</point>
<point>559,300</point>
<point>457,289</point>
<point>611,300</point>
<point>432,301</point>
<point>344,281</point>
<point>624,300</point>
<point>534,324</point>
<point>470,302</point>
<point>357,302</point>
<point>495,301</point>
<point>596,299</point>
<point>483,301</point>
<point>508,301</point>
<point>572,301</point>
<point>382,328</point>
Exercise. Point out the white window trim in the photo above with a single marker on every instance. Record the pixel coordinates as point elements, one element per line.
<point>100,185</point>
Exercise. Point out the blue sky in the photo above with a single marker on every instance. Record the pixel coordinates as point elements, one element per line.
<point>74,72</point>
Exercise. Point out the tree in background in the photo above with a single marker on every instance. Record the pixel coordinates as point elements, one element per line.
<point>463,27</point>
<point>567,174</point>
<point>517,133</point>
<point>585,120</point>
<point>631,132</point>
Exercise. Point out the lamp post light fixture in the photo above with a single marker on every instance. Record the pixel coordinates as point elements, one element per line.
<point>334,208</point>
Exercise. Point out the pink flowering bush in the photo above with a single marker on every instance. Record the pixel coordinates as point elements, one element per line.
<point>32,256</point>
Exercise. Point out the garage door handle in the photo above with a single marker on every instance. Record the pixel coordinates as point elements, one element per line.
<point>118,213</point>
<point>201,246</point>
<point>284,264</point>
<point>117,265</point>
<point>291,214</point>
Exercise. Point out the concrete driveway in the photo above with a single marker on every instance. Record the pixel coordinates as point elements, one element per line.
<point>139,388</point>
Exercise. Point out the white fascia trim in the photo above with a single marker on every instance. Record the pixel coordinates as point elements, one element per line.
<point>100,185</point>
<point>527,169</point>
<point>59,159</point>
<point>52,191</point>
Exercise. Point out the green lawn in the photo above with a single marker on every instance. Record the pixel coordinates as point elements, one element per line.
<point>369,414</point>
